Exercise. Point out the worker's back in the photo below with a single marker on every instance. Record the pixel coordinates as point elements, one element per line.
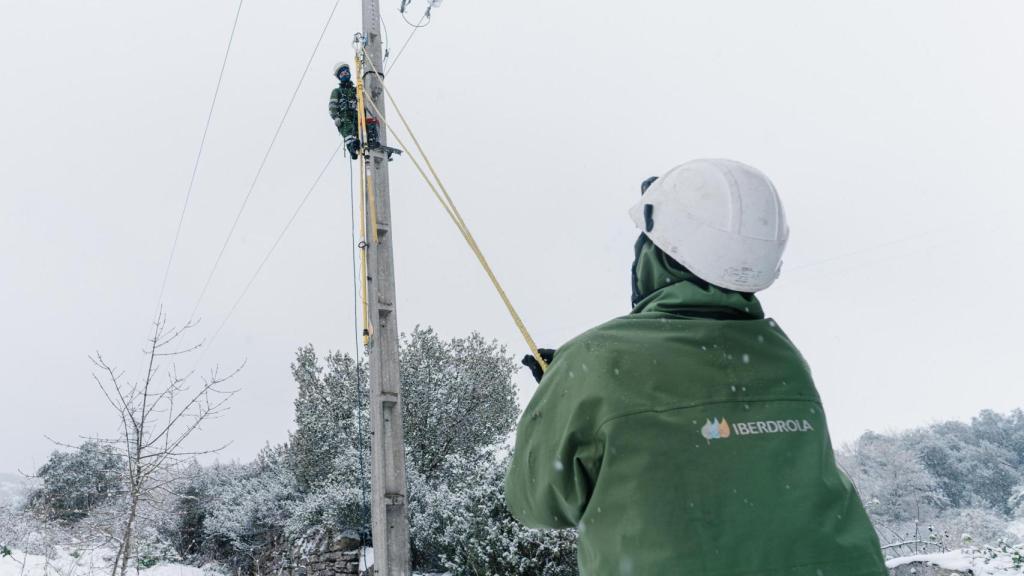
<point>688,438</point>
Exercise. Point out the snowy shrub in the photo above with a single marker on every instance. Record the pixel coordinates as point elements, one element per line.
<point>28,532</point>
<point>76,482</point>
<point>956,528</point>
<point>463,526</point>
<point>185,532</point>
<point>154,548</point>
<point>337,504</point>
<point>249,507</point>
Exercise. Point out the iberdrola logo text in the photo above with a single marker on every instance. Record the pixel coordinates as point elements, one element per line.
<point>716,429</point>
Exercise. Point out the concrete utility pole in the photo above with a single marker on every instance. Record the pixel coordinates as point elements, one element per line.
<point>390,521</point>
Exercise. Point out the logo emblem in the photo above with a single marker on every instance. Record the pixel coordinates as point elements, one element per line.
<point>714,430</point>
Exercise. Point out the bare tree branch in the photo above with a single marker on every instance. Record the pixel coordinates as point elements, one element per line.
<point>157,417</point>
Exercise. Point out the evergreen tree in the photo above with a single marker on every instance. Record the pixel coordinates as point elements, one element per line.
<point>329,415</point>
<point>459,398</point>
<point>76,482</point>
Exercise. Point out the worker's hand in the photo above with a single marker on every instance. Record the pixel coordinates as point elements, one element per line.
<point>337,122</point>
<point>530,362</point>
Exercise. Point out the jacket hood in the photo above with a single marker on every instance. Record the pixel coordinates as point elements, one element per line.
<point>662,285</point>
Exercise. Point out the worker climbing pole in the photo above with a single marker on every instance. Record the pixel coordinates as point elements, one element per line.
<point>358,112</point>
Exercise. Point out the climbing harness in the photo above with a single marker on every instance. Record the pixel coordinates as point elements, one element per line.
<point>442,197</point>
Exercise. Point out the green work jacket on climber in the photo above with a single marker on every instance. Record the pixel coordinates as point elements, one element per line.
<point>343,109</point>
<point>688,437</point>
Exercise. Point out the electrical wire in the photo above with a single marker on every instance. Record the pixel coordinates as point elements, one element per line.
<point>263,163</point>
<point>357,245</point>
<point>199,156</point>
<point>416,28</point>
<point>266,257</point>
<point>387,37</point>
<point>421,24</point>
<point>859,251</point>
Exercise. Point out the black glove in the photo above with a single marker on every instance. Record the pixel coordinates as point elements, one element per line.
<point>352,145</point>
<point>530,362</point>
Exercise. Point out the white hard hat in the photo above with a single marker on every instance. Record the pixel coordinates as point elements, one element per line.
<point>721,219</point>
<point>339,66</point>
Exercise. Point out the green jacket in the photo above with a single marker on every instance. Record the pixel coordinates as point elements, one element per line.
<point>688,438</point>
<point>343,105</point>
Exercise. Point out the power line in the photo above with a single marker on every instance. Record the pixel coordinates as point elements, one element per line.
<point>387,37</point>
<point>263,163</point>
<point>199,155</point>
<point>426,15</point>
<point>415,29</point>
<point>266,257</point>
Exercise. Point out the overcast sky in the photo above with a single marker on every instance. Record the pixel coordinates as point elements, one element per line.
<point>892,130</point>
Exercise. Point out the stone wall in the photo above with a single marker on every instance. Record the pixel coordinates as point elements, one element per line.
<point>334,555</point>
<point>328,555</point>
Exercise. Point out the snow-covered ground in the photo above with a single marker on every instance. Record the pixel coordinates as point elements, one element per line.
<point>97,563</point>
<point>979,562</point>
<point>81,563</point>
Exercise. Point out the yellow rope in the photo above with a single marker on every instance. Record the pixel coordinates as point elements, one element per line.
<point>367,328</point>
<point>364,141</point>
<point>364,187</point>
<point>449,205</point>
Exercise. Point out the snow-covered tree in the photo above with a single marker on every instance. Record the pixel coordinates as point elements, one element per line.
<point>459,402</point>
<point>330,416</point>
<point>77,481</point>
<point>459,398</point>
<point>892,481</point>
<point>1007,431</point>
<point>971,470</point>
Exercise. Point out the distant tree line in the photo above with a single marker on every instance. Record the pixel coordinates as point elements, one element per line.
<point>949,484</point>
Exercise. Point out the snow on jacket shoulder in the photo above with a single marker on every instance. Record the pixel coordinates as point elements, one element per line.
<point>688,438</point>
